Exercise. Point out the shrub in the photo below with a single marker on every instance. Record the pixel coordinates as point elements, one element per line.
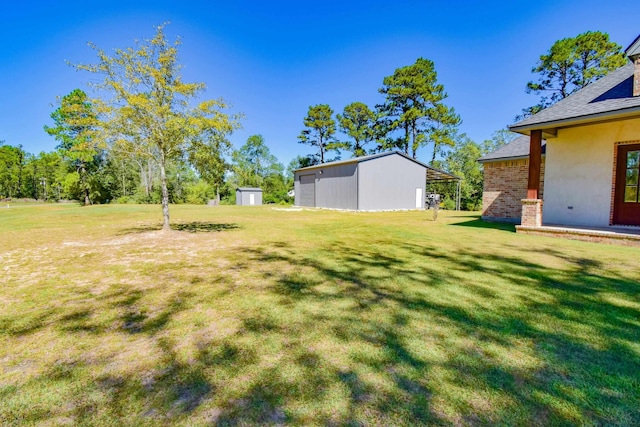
<point>199,192</point>
<point>449,205</point>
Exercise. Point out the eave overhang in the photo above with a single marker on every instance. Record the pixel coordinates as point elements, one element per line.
<point>550,129</point>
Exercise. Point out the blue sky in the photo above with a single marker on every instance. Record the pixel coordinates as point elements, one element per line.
<point>272,60</point>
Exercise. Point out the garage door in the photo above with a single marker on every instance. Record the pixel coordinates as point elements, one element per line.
<point>307,190</point>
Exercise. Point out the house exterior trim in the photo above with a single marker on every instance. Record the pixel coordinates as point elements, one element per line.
<point>550,128</point>
<point>614,174</point>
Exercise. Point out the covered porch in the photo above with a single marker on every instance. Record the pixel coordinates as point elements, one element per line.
<point>592,164</point>
<point>532,212</point>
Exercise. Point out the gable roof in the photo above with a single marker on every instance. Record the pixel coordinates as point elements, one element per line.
<point>605,99</point>
<point>516,149</point>
<point>433,174</point>
<point>634,48</point>
<point>249,189</point>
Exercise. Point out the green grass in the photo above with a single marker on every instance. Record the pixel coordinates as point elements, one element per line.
<point>253,315</point>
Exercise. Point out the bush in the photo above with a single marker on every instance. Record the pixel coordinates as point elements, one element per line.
<point>449,205</point>
<point>199,193</point>
<point>473,206</point>
<point>228,200</point>
<point>123,200</point>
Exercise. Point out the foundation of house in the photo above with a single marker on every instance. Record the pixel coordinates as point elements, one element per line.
<point>624,236</point>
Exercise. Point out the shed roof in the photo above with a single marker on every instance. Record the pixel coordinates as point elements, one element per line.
<point>248,189</point>
<point>516,149</point>
<point>605,99</point>
<point>433,174</point>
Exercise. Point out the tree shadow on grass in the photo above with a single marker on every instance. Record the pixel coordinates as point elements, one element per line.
<point>190,227</point>
<point>25,323</point>
<point>388,331</point>
<point>491,225</point>
<point>572,381</point>
<point>203,227</point>
<point>169,391</point>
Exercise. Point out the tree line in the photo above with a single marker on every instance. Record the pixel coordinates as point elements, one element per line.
<point>148,138</point>
<point>114,177</point>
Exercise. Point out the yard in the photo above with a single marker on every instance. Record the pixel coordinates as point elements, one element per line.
<point>256,315</point>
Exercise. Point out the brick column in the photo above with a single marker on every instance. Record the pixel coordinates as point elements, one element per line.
<point>531,213</point>
<point>532,205</point>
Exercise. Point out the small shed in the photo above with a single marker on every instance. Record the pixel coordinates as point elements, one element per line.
<point>248,196</point>
<point>384,181</point>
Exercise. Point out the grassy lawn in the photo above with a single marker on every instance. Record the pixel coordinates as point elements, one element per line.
<point>257,315</point>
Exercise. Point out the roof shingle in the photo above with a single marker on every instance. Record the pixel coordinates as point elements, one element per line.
<point>612,93</point>
<point>516,149</point>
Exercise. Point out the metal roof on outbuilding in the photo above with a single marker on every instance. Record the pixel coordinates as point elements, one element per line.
<point>516,149</point>
<point>248,189</point>
<point>433,174</point>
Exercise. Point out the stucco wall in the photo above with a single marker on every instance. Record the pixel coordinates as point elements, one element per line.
<point>579,172</point>
<point>390,182</point>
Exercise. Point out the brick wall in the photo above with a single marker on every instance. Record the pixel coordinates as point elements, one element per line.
<point>636,77</point>
<point>505,185</point>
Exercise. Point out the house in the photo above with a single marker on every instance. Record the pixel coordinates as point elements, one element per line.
<point>248,196</point>
<point>384,181</point>
<point>592,156</point>
<point>506,171</point>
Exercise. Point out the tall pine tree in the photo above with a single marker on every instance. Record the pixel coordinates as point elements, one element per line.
<point>414,107</point>
<point>571,64</point>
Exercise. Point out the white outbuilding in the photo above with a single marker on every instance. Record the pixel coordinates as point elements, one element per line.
<point>248,196</point>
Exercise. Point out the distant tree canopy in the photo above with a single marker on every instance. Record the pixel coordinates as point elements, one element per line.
<point>462,161</point>
<point>498,139</point>
<point>253,165</point>
<point>571,64</point>
<point>12,164</point>
<point>24,175</point>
